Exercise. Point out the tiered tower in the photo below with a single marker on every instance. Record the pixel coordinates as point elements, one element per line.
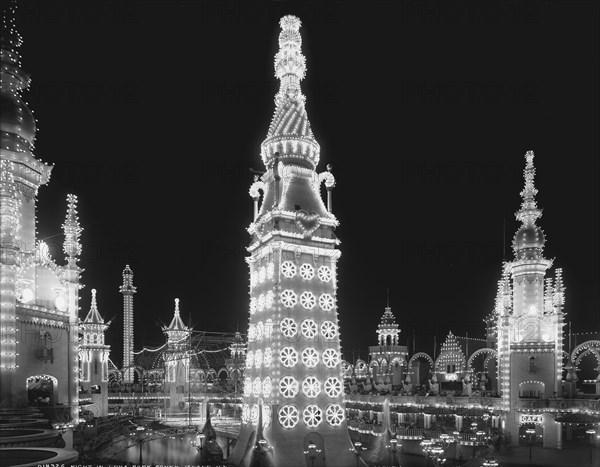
<point>93,358</point>
<point>177,359</point>
<point>293,378</point>
<point>530,320</point>
<point>128,289</point>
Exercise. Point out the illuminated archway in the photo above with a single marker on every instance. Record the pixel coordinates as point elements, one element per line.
<point>414,367</point>
<point>42,390</point>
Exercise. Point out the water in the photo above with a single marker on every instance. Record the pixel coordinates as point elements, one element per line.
<point>167,451</point>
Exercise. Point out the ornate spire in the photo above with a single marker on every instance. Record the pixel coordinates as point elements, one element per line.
<point>559,291</point>
<point>176,322</point>
<point>93,316</point>
<point>72,230</point>
<point>289,133</point>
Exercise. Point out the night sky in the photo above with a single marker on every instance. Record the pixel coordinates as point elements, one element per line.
<point>153,114</point>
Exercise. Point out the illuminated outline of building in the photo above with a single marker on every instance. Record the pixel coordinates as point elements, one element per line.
<point>128,289</point>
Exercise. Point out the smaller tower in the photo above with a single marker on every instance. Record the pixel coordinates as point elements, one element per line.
<point>237,362</point>
<point>128,290</point>
<point>177,360</point>
<point>93,358</point>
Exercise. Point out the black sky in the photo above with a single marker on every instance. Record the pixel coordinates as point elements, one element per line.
<point>153,112</point>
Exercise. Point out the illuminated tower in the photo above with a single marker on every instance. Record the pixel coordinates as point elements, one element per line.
<point>177,360</point>
<point>293,365</point>
<point>93,359</point>
<point>128,289</point>
<point>388,357</point>
<point>530,319</point>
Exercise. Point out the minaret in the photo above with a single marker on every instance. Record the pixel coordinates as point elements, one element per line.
<point>21,174</point>
<point>93,358</point>
<point>128,289</point>
<point>530,328</point>
<point>71,275</point>
<point>177,359</point>
<point>293,377</point>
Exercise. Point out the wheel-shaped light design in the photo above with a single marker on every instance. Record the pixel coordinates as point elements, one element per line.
<point>288,386</point>
<point>267,387</point>
<point>270,270</point>
<point>326,302</point>
<point>332,387</point>
<point>254,413</point>
<point>288,357</point>
<point>288,327</point>
<point>324,274</point>
<point>312,415</point>
<point>331,358</point>
<point>328,330</point>
<point>289,298</point>
<point>307,272</point>
<point>267,357</point>
<point>256,387</point>
<point>245,413</point>
<point>309,328</point>
<point>249,359</point>
<point>260,303</point>
<point>288,416</point>
<point>269,298</point>
<point>262,274</point>
<point>311,387</point>
<point>310,357</point>
<point>308,300</point>
<point>247,387</point>
<point>288,269</point>
<point>253,305</point>
<point>258,359</point>
<point>334,414</point>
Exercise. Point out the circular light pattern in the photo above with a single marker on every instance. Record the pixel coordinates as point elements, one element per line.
<point>262,274</point>
<point>251,332</point>
<point>27,295</point>
<point>270,270</point>
<point>288,386</point>
<point>266,415</point>
<point>334,414</point>
<point>307,272</point>
<point>310,357</point>
<point>247,387</point>
<point>267,387</point>
<point>328,330</point>
<point>253,305</point>
<point>308,300</point>
<point>324,274</point>
<point>326,302</point>
<point>258,358</point>
<point>254,413</point>
<point>332,387</point>
<point>289,298</point>
<point>249,359</point>
<point>268,329</point>
<point>61,303</point>
<point>267,357</point>
<point>288,269</point>
<point>269,299</point>
<point>288,357</point>
<point>309,328</point>
<point>245,413</point>
<point>331,358</point>
<point>288,416</point>
<point>288,327</point>
<point>311,387</point>
<point>260,304</point>
<point>256,387</point>
<point>259,330</point>
<point>312,415</point>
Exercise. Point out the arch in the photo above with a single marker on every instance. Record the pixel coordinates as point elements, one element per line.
<point>478,352</point>
<point>42,389</point>
<point>401,361</point>
<point>361,369</point>
<point>420,355</point>
<point>584,346</point>
<point>222,374</point>
<point>532,389</point>
<point>347,369</point>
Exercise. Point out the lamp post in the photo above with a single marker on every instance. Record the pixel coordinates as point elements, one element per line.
<point>591,433</point>
<point>393,446</point>
<point>530,432</point>
<point>456,435</point>
<point>200,445</point>
<point>358,449</point>
<point>312,452</point>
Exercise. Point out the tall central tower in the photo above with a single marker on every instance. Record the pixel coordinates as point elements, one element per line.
<point>293,384</point>
<point>128,289</point>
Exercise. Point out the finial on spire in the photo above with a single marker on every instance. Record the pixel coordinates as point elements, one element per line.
<point>388,297</point>
<point>93,297</point>
<point>290,64</point>
<point>177,307</point>
<point>529,191</point>
<point>72,230</point>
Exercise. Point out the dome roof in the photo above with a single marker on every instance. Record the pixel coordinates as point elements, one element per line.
<point>529,237</point>
<point>16,121</point>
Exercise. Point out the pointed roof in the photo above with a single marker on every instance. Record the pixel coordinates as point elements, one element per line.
<point>176,322</point>
<point>93,316</point>
<point>71,228</point>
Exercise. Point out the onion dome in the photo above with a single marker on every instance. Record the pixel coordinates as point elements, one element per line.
<point>17,123</point>
<point>530,236</point>
<point>290,134</point>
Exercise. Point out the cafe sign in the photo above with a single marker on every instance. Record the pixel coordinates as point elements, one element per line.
<point>529,418</point>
